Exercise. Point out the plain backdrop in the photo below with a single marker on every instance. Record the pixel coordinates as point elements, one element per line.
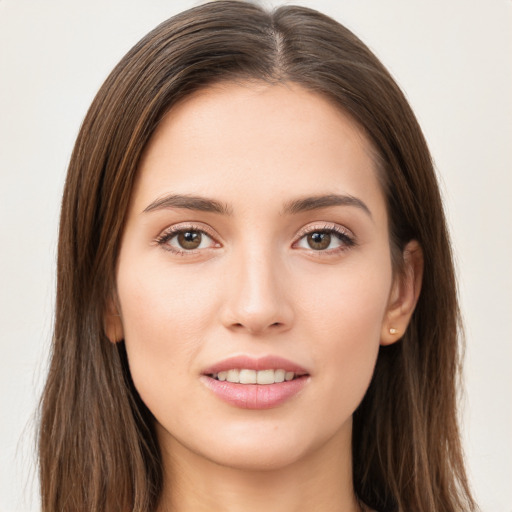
<point>453,58</point>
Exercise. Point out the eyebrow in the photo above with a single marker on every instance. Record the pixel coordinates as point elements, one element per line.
<point>187,202</point>
<point>304,204</point>
<point>324,201</point>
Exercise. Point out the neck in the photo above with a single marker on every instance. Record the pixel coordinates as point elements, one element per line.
<point>320,481</point>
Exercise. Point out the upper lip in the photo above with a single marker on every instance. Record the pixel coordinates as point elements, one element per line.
<point>255,363</point>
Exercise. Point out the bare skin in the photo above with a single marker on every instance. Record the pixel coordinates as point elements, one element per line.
<point>257,228</point>
<point>202,485</point>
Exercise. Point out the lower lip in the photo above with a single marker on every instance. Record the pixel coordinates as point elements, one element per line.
<point>255,396</point>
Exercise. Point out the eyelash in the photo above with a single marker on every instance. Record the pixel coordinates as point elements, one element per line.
<point>346,238</point>
<point>167,235</point>
<point>342,234</point>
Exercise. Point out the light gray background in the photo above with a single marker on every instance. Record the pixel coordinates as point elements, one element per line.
<point>453,58</point>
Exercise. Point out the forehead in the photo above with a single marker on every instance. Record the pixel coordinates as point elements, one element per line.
<point>256,140</point>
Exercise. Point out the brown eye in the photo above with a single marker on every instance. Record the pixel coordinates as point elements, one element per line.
<point>319,240</point>
<point>328,240</point>
<point>189,240</point>
<point>186,240</point>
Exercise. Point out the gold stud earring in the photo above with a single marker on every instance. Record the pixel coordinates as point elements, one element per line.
<point>392,330</point>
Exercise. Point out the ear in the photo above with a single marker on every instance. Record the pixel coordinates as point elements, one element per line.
<point>404,294</point>
<point>113,322</point>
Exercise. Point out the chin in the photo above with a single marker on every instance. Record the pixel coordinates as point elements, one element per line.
<point>259,447</point>
<point>257,458</point>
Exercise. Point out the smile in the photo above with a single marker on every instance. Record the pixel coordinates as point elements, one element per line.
<point>247,376</point>
<point>249,382</point>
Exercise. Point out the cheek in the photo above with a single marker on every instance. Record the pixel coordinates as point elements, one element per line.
<point>343,314</point>
<point>348,302</point>
<point>164,320</point>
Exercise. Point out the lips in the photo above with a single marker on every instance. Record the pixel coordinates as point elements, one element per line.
<point>250,363</point>
<point>255,383</point>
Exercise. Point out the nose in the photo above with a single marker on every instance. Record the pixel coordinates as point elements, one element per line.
<point>257,297</point>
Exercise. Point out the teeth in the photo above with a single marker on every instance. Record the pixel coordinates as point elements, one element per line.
<point>248,376</point>
<point>245,376</point>
<point>233,376</point>
<point>265,377</point>
<point>279,375</point>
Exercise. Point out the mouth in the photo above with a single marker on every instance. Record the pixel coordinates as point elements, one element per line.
<point>249,376</point>
<point>255,383</point>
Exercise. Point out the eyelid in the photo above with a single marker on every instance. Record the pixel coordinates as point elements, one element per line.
<point>169,232</point>
<point>324,226</point>
<point>345,235</point>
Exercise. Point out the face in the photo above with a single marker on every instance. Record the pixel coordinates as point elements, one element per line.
<point>254,280</point>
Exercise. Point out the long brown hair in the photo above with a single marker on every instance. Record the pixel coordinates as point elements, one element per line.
<point>97,446</point>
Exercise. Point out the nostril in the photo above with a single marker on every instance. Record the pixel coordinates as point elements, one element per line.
<point>256,329</point>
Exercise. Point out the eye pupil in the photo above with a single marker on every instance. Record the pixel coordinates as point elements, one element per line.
<point>189,239</point>
<point>319,240</point>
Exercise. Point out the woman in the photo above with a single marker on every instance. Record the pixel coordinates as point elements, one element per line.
<point>256,304</point>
